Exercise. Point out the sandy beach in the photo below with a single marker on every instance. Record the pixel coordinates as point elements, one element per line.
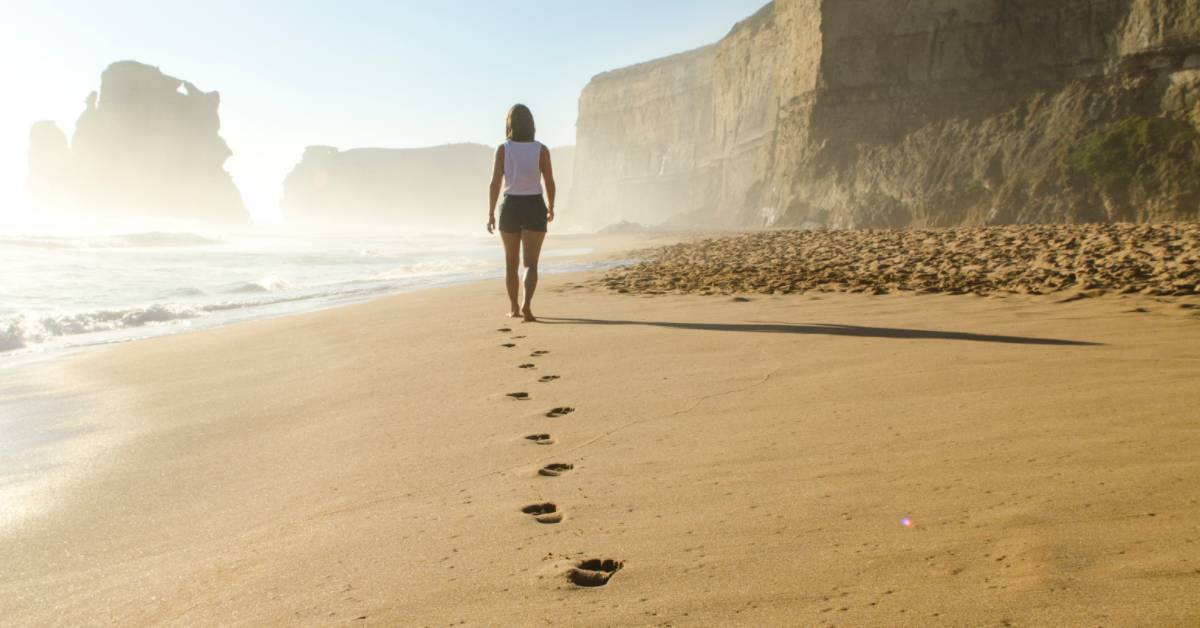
<point>760,459</point>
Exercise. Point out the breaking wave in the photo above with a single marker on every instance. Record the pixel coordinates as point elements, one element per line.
<point>65,292</point>
<point>441,267</point>
<point>270,283</point>
<point>20,330</point>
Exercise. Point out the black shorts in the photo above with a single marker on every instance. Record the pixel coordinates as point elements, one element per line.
<point>523,212</point>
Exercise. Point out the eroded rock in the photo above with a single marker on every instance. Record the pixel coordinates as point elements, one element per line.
<point>147,146</point>
<point>438,186</point>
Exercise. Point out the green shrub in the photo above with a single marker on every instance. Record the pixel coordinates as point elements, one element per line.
<point>1141,156</point>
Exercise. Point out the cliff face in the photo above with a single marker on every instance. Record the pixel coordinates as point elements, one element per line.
<point>648,128</point>
<point>883,113</point>
<point>147,145</point>
<point>436,187</point>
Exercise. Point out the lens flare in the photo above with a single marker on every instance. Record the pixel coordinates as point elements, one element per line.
<point>906,522</point>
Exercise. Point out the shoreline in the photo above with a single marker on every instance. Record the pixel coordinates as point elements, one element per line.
<point>59,426</point>
<point>563,256</point>
<point>748,461</point>
<point>49,440</point>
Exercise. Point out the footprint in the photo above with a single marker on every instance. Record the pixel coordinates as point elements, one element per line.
<point>504,329</point>
<point>547,378</point>
<point>523,396</point>
<point>543,513</point>
<point>555,469</point>
<point>517,337</point>
<point>508,344</point>
<point>554,413</point>
<point>594,572</point>
<point>541,439</point>
<point>538,353</point>
<point>527,365</point>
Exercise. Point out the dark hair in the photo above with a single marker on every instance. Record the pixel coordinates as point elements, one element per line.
<point>518,126</point>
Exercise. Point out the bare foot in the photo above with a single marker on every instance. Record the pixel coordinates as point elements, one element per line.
<point>514,314</point>
<point>528,314</point>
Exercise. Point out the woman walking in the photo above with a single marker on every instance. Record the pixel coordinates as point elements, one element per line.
<point>521,165</point>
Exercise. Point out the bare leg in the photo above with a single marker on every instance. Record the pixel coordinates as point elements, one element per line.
<point>512,250</point>
<point>531,244</point>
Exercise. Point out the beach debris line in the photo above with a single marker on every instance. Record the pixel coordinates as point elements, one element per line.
<point>1088,259</point>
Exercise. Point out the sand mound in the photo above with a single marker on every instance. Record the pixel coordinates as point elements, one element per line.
<point>1093,259</point>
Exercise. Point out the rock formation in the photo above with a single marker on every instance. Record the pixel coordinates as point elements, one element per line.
<point>49,164</point>
<point>146,146</point>
<point>890,113</point>
<point>436,187</point>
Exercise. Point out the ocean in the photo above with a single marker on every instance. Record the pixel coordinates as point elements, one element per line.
<point>61,293</point>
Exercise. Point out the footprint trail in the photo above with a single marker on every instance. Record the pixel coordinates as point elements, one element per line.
<point>544,513</point>
<point>555,469</point>
<point>594,572</point>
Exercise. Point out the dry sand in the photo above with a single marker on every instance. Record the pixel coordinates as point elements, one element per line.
<point>748,462</point>
<point>1088,260</point>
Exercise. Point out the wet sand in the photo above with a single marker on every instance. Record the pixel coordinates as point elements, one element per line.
<point>746,461</point>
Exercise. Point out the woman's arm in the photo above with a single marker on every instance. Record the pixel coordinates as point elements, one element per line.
<point>548,175</point>
<point>494,188</point>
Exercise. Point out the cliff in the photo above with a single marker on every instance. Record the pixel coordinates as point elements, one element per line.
<point>890,113</point>
<point>146,146</point>
<point>644,140</point>
<point>434,187</point>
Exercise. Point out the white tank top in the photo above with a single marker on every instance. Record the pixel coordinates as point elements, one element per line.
<point>522,168</point>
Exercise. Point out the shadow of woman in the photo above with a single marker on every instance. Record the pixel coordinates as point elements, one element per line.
<point>828,330</point>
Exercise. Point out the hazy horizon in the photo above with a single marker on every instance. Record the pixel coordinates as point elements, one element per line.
<point>366,74</point>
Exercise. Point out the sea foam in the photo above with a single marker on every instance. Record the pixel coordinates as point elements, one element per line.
<point>21,330</point>
<point>64,292</point>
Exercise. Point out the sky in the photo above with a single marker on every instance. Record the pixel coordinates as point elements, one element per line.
<point>349,74</point>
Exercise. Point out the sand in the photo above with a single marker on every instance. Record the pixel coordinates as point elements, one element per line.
<point>724,462</point>
<point>1088,260</point>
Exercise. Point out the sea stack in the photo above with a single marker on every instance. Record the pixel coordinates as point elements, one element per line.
<point>888,113</point>
<point>147,146</point>
<point>432,187</point>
